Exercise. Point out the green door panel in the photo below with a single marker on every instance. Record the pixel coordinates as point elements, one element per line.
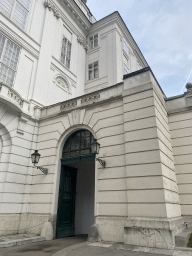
<point>66,202</point>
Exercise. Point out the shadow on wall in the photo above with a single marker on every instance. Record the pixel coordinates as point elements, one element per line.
<point>5,147</point>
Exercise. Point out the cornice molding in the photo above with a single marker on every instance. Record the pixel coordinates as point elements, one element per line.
<point>18,40</point>
<point>54,66</point>
<point>58,13</point>
<point>52,7</point>
<point>82,42</point>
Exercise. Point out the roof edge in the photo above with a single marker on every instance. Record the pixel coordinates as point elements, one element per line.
<point>175,97</point>
<point>129,35</point>
<point>142,71</point>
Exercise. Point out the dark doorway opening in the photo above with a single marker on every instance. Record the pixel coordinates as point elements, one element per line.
<point>77,186</point>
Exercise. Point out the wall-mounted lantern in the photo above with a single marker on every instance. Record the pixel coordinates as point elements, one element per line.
<point>95,146</point>
<point>35,160</point>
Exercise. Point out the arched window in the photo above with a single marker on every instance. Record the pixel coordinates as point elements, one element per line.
<point>78,144</point>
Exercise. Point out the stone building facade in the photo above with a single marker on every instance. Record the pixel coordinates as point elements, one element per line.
<point>66,79</point>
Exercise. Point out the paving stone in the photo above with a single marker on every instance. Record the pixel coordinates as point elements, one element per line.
<point>182,253</point>
<point>162,251</point>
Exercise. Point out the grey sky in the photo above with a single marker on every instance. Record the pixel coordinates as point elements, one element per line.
<point>163,32</point>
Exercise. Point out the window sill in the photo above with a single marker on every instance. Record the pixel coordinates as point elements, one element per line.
<point>95,79</point>
<point>58,61</point>
<point>94,49</point>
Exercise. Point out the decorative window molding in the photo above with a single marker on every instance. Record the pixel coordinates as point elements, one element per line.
<point>9,55</point>
<point>103,36</point>
<point>62,82</point>
<point>93,41</point>
<point>16,10</point>
<point>93,71</point>
<point>66,52</point>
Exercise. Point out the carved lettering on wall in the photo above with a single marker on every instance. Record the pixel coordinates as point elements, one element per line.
<point>15,97</point>
<point>68,105</point>
<point>90,99</point>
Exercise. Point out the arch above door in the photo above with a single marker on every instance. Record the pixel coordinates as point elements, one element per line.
<point>77,147</point>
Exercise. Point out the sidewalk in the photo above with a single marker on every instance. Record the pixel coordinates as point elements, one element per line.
<point>45,248</point>
<point>109,249</point>
<point>78,246</point>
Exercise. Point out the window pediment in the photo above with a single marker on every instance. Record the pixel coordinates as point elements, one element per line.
<point>60,81</point>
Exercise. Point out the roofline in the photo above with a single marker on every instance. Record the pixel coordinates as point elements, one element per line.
<point>127,30</point>
<point>86,7</point>
<point>142,71</point>
<point>82,11</point>
<point>175,97</point>
<point>132,38</point>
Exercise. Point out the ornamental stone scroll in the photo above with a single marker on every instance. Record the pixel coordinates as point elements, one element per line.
<point>82,42</point>
<point>48,4</point>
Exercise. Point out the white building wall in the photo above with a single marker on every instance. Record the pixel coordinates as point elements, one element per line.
<point>110,53</point>
<point>18,136</point>
<point>29,198</point>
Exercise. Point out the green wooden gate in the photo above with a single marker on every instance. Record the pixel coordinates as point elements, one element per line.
<point>76,149</point>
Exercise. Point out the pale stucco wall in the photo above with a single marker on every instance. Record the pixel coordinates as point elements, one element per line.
<point>132,127</point>
<point>18,138</point>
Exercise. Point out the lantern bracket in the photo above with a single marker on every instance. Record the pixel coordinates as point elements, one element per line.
<point>103,163</point>
<point>44,170</point>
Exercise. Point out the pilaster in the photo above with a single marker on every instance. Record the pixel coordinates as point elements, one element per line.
<point>43,69</point>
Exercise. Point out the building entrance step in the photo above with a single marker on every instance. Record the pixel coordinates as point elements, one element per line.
<point>19,239</point>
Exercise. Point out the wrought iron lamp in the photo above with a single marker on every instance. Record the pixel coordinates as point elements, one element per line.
<point>95,146</point>
<point>35,160</point>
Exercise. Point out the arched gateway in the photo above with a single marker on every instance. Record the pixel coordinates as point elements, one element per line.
<point>75,213</point>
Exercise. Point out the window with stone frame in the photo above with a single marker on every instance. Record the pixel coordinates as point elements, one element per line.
<point>125,46</point>
<point>9,55</point>
<point>93,41</point>
<point>126,69</point>
<point>66,52</point>
<point>16,10</point>
<point>93,70</point>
